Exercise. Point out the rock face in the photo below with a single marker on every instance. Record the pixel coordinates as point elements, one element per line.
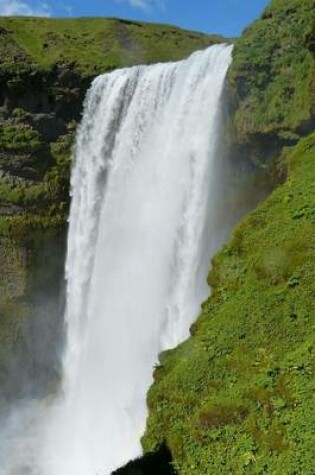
<point>46,67</point>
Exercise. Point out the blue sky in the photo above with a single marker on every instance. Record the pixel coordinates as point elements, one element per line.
<point>227,17</point>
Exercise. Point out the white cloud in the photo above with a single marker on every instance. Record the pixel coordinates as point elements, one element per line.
<point>19,7</point>
<point>145,4</point>
<point>139,4</point>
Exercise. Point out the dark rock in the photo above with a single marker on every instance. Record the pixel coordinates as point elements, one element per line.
<point>48,125</point>
<point>9,209</point>
<point>155,463</point>
<point>25,165</point>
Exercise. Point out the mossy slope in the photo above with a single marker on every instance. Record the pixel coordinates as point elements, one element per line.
<point>273,74</point>
<point>238,396</point>
<point>92,45</point>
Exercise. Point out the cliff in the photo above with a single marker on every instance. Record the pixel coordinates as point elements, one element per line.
<point>272,81</point>
<point>238,396</point>
<point>46,67</point>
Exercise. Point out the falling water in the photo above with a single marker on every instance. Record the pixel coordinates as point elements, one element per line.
<point>138,251</point>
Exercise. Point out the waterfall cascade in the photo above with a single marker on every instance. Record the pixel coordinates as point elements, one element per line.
<point>144,196</point>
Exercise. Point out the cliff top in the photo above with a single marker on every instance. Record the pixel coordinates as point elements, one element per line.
<point>92,45</point>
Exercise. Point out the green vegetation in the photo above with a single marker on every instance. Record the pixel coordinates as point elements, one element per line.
<point>273,73</point>
<point>20,138</point>
<point>13,312</point>
<point>32,217</point>
<point>238,396</point>
<point>92,45</point>
<point>42,204</point>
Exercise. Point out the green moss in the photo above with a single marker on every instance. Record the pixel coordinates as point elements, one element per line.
<point>13,310</point>
<point>3,225</point>
<point>273,72</point>
<point>59,175</point>
<point>238,396</point>
<point>19,112</point>
<point>19,137</point>
<point>45,201</point>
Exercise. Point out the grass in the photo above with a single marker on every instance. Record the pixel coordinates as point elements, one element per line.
<point>238,396</point>
<point>273,73</point>
<point>92,45</point>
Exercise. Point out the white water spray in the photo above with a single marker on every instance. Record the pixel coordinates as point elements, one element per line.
<point>138,251</point>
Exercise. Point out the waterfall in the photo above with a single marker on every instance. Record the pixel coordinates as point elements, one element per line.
<point>144,196</point>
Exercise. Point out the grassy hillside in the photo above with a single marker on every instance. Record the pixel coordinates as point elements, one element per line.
<point>273,74</point>
<point>92,45</point>
<point>239,396</point>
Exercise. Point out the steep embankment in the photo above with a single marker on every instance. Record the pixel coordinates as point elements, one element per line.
<point>238,396</point>
<point>272,81</point>
<point>46,67</point>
